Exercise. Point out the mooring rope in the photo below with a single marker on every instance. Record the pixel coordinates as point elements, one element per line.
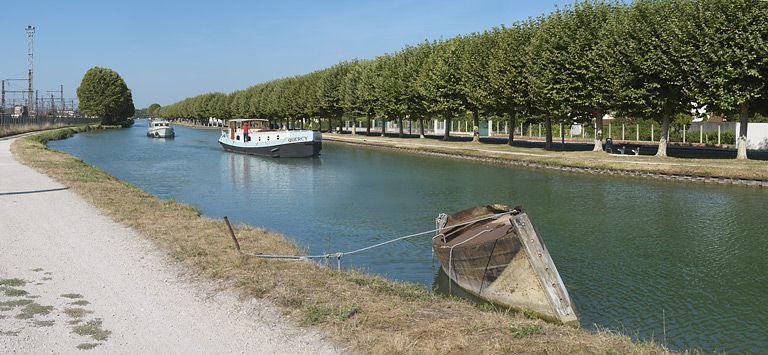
<point>339,255</point>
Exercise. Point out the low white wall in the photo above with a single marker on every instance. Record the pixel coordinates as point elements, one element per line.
<point>757,135</point>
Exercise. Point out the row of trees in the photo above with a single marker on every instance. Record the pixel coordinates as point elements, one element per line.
<point>651,59</point>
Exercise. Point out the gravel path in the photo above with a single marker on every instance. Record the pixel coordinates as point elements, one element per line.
<point>71,277</point>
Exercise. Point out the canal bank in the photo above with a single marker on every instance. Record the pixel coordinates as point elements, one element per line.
<point>72,278</point>
<point>716,171</point>
<point>365,312</point>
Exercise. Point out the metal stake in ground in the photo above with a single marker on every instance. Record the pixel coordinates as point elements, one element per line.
<point>232,234</point>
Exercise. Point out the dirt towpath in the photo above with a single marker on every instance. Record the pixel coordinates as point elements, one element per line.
<point>72,279</point>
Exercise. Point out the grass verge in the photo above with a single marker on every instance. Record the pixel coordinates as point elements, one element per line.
<point>364,313</point>
<point>502,153</point>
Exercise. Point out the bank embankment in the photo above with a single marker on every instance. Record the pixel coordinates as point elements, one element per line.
<point>197,126</point>
<point>718,171</point>
<point>72,278</point>
<point>361,312</point>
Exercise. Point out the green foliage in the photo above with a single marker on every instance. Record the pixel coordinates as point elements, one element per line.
<point>152,109</point>
<point>730,66</point>
<point>645,60</point>
<point>103,93</point>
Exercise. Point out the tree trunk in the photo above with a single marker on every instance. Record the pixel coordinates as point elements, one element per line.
<point>383,128</point>
<point>548,144</point>
<point>421,127</point>
<point>511,129</point>
<point>368,129</point>
<point>400,126</point>
<point>562,136</point>
<point>447,135</point>
<point>741,142</point>
<point>598,130</point>
<point>662,152</point>
<point>476,126</point>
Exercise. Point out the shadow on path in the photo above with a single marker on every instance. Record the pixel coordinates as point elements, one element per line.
<point>33,191</point>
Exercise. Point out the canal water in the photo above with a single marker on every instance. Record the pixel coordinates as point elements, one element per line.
<point>681,264</point>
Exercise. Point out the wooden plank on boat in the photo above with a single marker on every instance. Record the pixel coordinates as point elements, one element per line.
<point>545,270</point>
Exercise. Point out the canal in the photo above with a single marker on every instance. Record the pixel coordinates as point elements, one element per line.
<point>682,264</point>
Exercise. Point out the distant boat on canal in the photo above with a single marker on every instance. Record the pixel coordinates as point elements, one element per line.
<point>495,253</point>
<point>254,136</point>
<point>159,129</point>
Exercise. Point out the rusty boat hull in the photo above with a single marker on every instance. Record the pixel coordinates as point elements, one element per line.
<point>499,257</point>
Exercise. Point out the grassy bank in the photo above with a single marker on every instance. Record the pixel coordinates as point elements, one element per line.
<point>502,153</point>
<point>361,312</point>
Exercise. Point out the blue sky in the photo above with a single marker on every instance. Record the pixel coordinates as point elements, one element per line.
<point>169,50</point>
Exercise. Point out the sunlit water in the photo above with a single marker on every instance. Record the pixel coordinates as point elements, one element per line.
<point>683,264</point>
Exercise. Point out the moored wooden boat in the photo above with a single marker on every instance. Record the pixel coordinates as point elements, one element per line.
<point>495,253</point>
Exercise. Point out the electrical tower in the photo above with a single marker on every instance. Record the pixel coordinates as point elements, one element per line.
<point>30,61</point>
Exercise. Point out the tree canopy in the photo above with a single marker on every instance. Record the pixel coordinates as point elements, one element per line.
<point>649,59</point>
<point>103,93</point>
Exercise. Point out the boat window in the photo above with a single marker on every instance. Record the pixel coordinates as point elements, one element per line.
<point>237,137</point>
<point>278,136</point>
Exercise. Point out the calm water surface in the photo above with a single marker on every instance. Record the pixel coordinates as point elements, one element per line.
<point>637,256</point>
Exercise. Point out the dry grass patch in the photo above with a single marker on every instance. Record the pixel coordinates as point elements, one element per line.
<point>87,346</point>
<point>7,305</point>
<point>80,303</point>
<point>76,312</point>
<point>33,309</point>
<point>43,323</point>
<point>93,329</point>
<point>13,292</point>
<point>12,282</point>
<point>366,313</point>
<point>72,295</point>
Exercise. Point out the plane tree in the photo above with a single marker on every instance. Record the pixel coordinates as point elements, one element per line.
<point>474,62</point>
<point>507,70</point>
<point>440,82</point>
<point>729,69</point>
<point>652,51</point>
<point>412,62</point>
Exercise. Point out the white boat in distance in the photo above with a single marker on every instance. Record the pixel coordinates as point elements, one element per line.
<point>254,136</point>
<point>159,129</point>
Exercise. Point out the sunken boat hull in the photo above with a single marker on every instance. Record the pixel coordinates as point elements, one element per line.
<point>501,259</point>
